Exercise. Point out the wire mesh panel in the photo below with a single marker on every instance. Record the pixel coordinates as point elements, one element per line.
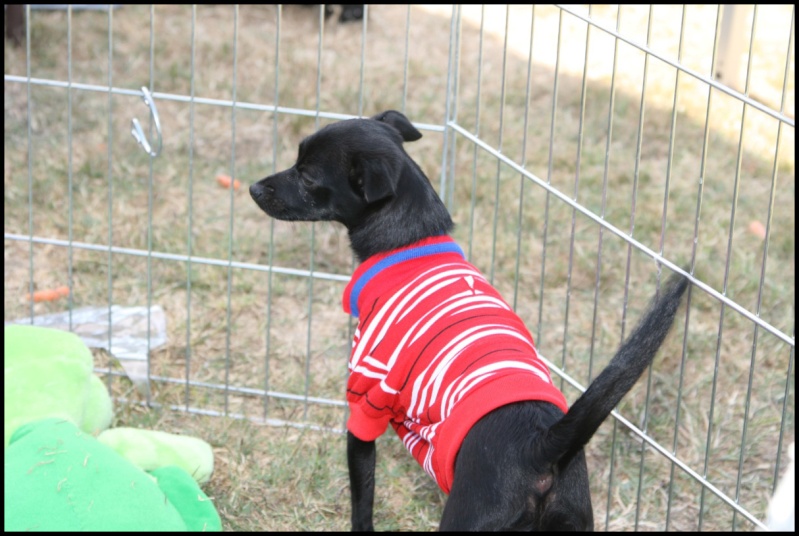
<point>584,153</point>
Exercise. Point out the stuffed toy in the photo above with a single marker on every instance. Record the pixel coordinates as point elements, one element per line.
<point>60,477</point>
<point>48,373</point>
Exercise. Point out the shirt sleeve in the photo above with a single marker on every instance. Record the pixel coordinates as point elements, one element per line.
<point>366,428</point>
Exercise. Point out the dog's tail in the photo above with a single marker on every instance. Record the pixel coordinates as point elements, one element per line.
<point>574,430</point>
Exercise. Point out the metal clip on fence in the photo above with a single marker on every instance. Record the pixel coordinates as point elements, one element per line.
<point>137,131</point>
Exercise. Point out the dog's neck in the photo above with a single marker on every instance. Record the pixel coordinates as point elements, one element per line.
<point>408,237</point>
<point>413,214</point>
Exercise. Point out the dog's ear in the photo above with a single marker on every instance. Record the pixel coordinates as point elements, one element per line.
<point>376,177</point>
<point>400,122</point>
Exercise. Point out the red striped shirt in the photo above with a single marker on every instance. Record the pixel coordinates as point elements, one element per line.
<point>436,349</point>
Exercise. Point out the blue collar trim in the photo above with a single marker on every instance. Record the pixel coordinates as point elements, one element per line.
<point>396,258</point>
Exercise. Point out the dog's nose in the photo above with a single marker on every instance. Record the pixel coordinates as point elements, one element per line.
<point>260,188</point>
<point>258,191</point>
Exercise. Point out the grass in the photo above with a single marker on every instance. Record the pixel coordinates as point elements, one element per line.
<point>287,334</point>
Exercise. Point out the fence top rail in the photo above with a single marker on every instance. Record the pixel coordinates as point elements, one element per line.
<point>47,82</point>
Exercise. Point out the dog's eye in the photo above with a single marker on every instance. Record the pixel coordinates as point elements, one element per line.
<point>306,179</point>
<point>356,181</point>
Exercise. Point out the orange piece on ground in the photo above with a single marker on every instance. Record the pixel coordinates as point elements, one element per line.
<point>757,229</point>
<point>49,294</point>
<point>225,181</point>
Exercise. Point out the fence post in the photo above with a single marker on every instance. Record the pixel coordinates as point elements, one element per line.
<point>731,46</point>
<point>450,107</point>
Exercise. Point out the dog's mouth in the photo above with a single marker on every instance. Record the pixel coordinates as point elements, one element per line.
<point>273,205</point>
<point>266,201</point>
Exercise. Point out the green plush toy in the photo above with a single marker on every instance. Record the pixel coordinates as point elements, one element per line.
<point>48,373</point>
<point>59,477</point>
<point>150,449</point>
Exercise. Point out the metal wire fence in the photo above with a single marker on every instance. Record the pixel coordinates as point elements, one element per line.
<point>574,147</point>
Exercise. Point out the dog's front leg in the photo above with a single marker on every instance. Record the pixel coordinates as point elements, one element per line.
<point>361,461</point>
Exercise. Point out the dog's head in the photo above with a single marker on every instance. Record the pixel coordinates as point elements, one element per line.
<point>341,170</point>
<point>356,172</point>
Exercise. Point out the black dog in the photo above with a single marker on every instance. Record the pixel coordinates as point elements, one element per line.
<point>349,12</point>
<point>438,354</point>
